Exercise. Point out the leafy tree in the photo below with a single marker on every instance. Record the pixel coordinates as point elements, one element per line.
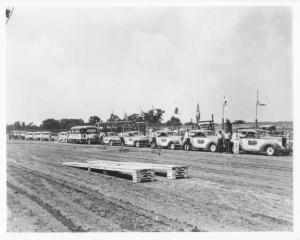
<point>66,124</point>
<point>50,124</point>
<point>228,126</point>
<point>174,121</point>
<point>239,121</point>
<point>17,125</point>
<point>113,118</point>
<point>154,116</point>
<point>93,120</point>
<point>135,117</point>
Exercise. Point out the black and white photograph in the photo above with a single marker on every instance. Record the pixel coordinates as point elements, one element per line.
<point>149,118</point>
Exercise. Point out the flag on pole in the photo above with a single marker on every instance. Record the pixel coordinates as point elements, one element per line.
<point>225,103</point>
<point>198,113</point>
<point>261,102</point>
<point>176,111</point>
<point>8,13</point>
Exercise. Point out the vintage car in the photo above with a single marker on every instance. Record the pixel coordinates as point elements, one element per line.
<point>111,138</point>
<point>23,135</point>
<point>135,138</point>
<point>63,137</point>
<point>46,136</point>
<point>259,141</point>
<point>16,135</point>
<point>83,134</point>
<point>29,136</point>
<point>202,140</point>
<point>54,137</point>
<point>166,139</point>
<point>37,136</point>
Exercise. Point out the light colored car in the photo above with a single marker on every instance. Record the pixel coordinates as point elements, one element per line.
<point>166,139</point>
<point>29,136</point>
<point>258,141</point>
<point>37,136</point>
<point>202,140</point>
<point>16,135</point>
<point>46,136</point>
<point>111,138</point>
<point>63,137</point>
<point>135,138</point>
<point>23,134</point>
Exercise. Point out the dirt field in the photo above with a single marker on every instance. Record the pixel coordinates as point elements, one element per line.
<point>222,193</point>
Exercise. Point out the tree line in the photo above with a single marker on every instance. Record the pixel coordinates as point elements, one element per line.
<point>151,117</point>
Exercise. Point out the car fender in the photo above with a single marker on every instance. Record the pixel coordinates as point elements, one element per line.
<point>273,144</point>
<point>207,145</point>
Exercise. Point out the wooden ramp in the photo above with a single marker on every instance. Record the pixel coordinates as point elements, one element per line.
<point>139,173</point>
<point>173,171</point>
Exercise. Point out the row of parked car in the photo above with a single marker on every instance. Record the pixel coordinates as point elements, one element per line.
<point>251,140</point>
<point>33,136</point>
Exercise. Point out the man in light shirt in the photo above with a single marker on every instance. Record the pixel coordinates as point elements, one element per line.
<point>227,137</point>
<point>236,142</point>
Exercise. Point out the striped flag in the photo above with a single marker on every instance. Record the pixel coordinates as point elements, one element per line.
<point>198,113</point>
<point>225,103</point>
<point>176,110</point>
<point>261,102</point>
<point>8,13</point>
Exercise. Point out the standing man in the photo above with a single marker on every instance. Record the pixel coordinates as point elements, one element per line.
<point>220,141</point>
<point>236,142</point>
<point>186,139</point>
<point>227,137</point>
<point>122,138</point>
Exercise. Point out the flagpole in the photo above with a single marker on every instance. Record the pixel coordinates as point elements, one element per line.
<point>256,124</point>
<point>223,115</point>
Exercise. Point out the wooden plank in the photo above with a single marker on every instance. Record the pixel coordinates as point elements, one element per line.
<point>173,171</point>
<point>139,174</point>
<point>145,165</point>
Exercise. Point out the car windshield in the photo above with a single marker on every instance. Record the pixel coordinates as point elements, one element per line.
<point>171,133</point>
<point>112,134</point>
<point>263,133</point>
<point>210,133</point>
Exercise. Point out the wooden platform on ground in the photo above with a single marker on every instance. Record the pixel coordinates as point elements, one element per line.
<point>139,173</point>
<point>173,171</point>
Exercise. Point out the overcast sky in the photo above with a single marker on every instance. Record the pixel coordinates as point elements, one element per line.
<point>81,61</point>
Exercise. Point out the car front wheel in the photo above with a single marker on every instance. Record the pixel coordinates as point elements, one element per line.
<point>213,148</point>
<point>172,146</point>
<point>137,144</point>
<point>270,151</point>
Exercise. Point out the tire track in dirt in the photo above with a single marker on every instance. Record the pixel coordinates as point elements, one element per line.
<point>131,212</point>
<point>54,212</point>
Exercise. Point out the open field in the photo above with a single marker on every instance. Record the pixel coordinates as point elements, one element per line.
<point>222,193</point>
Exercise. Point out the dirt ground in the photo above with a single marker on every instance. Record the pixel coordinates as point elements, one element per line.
<point>222,193</point>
